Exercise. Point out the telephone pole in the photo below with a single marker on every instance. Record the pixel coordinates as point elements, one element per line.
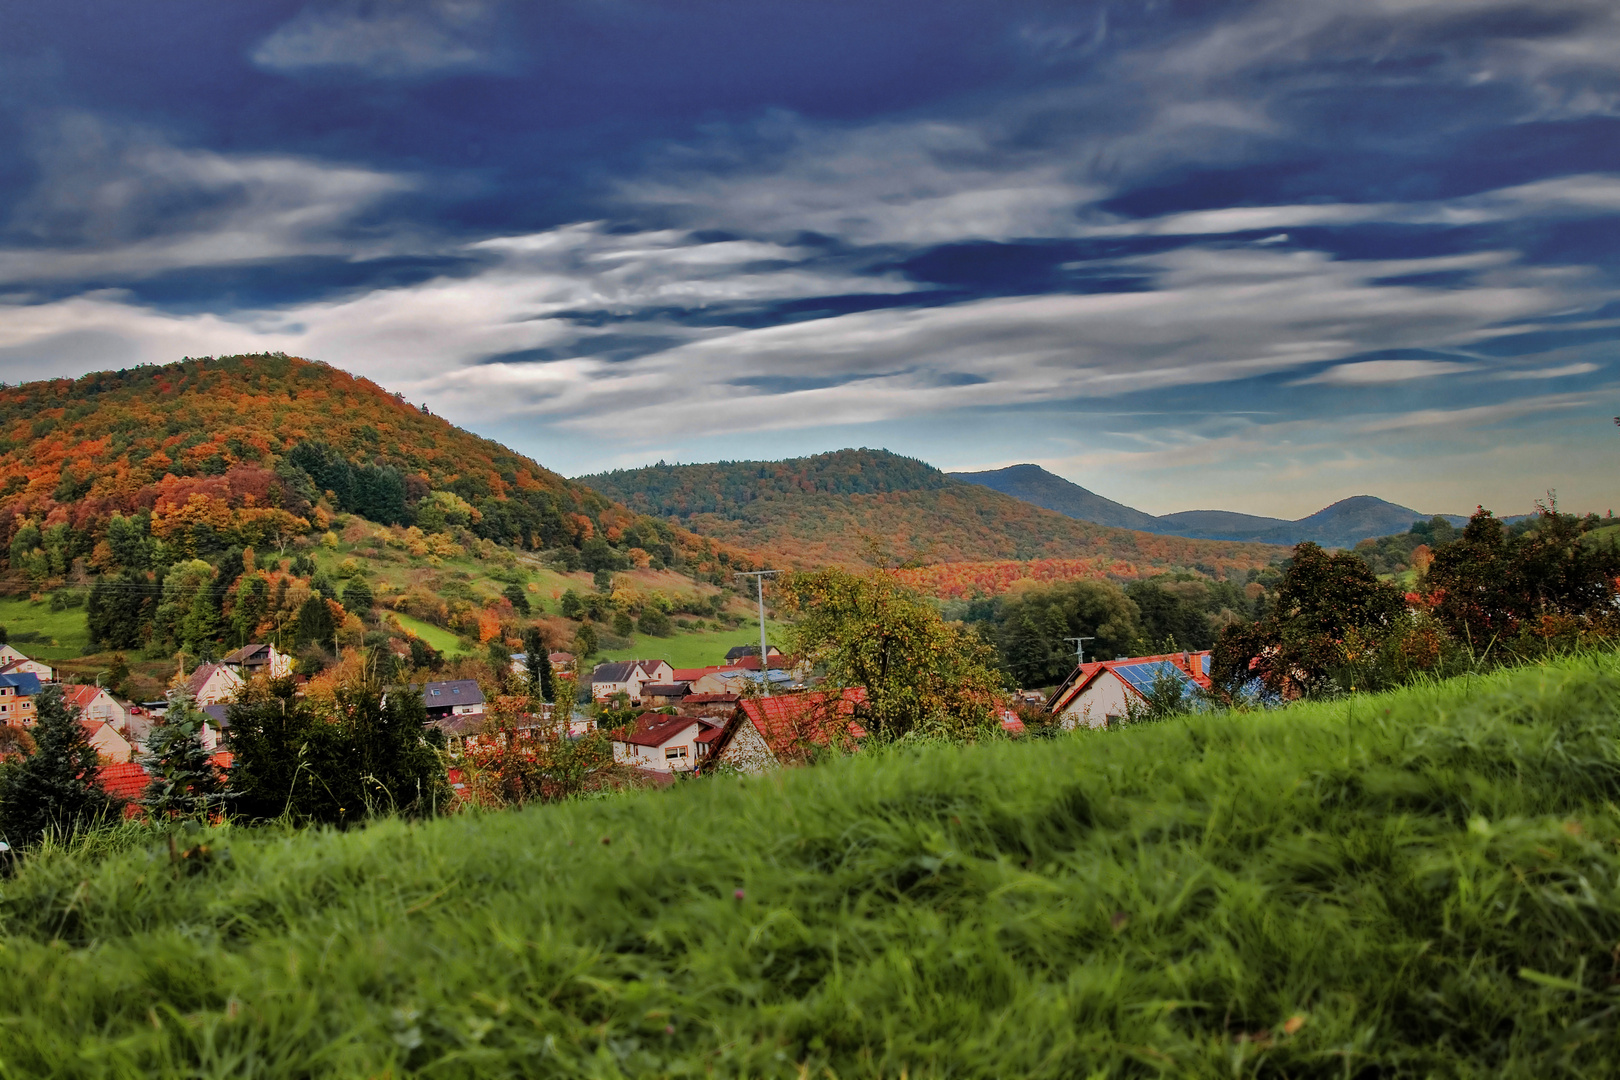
<point>759,577</point>
<point>1079,648</point>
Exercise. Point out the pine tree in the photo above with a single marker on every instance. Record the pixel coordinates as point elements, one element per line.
<point>541,684</point>
<point>185,783</point>
<point>57,786</point>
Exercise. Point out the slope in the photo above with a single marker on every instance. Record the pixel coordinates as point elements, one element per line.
<point>1034,484</point>
<point>253,448</point>
<point>1270,894</point>
<point>855,506</point>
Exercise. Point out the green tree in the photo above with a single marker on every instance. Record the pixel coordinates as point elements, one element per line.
<point>585,641</point>
<point>622,626</point>
<point>518,598</point>
<point>185,783</point>
<point>1326,608</point>
<point>250,604</point>
<point>571,606</point>
<point>1034,623</point>
<point>655,622</point>
<point>371,755</point>
<point>56,788</point>
<point>919,672</point>
<point>538,662</point>
<point>118,612</point>
<point>358,597</point>
<point>315,622</point>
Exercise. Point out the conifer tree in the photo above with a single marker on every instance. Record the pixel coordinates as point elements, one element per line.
<point>541,684</point>
<point>185,783</point>
<point>57,786</point>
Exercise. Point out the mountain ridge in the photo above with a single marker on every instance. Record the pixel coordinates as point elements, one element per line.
<point>1341,524</point>
<point>857,506</point>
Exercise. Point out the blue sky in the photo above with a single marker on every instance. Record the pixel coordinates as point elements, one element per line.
<point>1255,256</point>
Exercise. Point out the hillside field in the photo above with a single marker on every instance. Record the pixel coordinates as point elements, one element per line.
<point>1421,883</point>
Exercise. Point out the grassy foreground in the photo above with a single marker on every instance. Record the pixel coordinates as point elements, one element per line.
<point>1417,884</point>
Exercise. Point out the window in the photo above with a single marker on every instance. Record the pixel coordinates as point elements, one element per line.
<point>435,693</point>
<point>672,753</point>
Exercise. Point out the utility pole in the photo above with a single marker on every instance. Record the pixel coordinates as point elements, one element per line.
<point>759,577</point>
<point>1079,648</point>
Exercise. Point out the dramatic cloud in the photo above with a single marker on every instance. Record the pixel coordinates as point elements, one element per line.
<point>1350,243</point>
<point>385,39</point>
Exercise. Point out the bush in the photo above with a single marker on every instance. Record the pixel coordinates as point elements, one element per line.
<point>655,623</point>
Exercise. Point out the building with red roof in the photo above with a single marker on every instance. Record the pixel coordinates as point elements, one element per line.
<point>665,743</point>
<point>124,780</point>
<point>784,729</point>
<point>1105,692</point>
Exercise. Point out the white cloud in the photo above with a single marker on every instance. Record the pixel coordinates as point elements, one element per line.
<point>389,39</point>
<point>113,204</point>
<point>1382,372</point>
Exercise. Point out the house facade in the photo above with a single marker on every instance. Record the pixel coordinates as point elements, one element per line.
<point>17,694</point>
<point>628,677</point>
<point>13,662</point>
<point>768,732</point>
<point>213,684</point>
<point>1104,693</point>
<point>251,660</point>
<point>664,743</point>
<point>458,698</point>
<point>110,745</point>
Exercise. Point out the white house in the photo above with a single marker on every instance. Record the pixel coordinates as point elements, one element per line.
<point>251,660</point>
<point>665,743</point>
<point>213,684</point>
<point>1104,693</point>
<point>13,662</point>
<point>628,677</point>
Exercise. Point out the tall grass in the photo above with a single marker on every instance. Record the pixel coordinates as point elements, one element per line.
<point>1419,883</point>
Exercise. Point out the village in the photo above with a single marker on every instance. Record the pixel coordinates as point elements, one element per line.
<point>666,723</point>
<point>736,715</point>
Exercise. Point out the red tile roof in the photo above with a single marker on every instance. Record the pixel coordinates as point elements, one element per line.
<point>656,729</point>
<point>790,723</point>
<point>710,699</point>
<point>126,780</point>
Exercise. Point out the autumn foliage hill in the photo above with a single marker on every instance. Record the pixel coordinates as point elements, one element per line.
<point>854,507</point>
<point>250,450</point>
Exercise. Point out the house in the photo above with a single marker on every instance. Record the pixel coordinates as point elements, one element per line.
<point>212,684</point>
<point>110,745</point>
<point>1105,692</point>
<point>95,703</point>
<point>738,652</point>
<point>17,698</point>
<point>627,677</point>
<point>709,706</point>
<point>454,697</point>
<point>740,680</point>
<point>659,695</point>
<point>217,728</point>
<point>14,662</point>
<point>708,680</point>
<point>664,743</point>
<point>562,663</point>
<point>767,732</point>
<point>251,660</point>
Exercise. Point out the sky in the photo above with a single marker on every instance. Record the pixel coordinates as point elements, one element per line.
<point>1252,256</point>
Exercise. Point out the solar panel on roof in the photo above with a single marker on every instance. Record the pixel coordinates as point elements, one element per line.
<point>1142,676</point>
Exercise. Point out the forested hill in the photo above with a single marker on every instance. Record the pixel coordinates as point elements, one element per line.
<point>248,450</point>
<point>852,506</point>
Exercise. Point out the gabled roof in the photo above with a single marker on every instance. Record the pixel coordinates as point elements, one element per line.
<point>26,683</point>
<point>656,729</point>
<point>693,674</point>
<point>125,780</point>
<point>249,654</point>
<point>440,695</point>
<point>15,666</point>
<point>791,723</point>
<point>562,658</point>
<point>1136,672</point>
<point>199,678</point>
<point>219,714</point>
<point>666,689</point>
<point>81,696</point>
<point>613,671</point>
<point>776,660</point>
<point>649,667</point>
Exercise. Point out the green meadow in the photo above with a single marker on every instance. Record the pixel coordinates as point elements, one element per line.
<point>1425,883</point>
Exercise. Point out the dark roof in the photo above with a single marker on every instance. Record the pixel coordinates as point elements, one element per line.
<point>737,652</point>
<point>666,689</point>
<point>218,714</point>
<point>441,695</point>
<point>464,724</point>
<point>710,699</point>
<point>613,671</point>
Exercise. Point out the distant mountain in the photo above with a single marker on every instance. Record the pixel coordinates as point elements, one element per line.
<point>850,506</point>
<point>1343,524</point>
<point>1034,484</point>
